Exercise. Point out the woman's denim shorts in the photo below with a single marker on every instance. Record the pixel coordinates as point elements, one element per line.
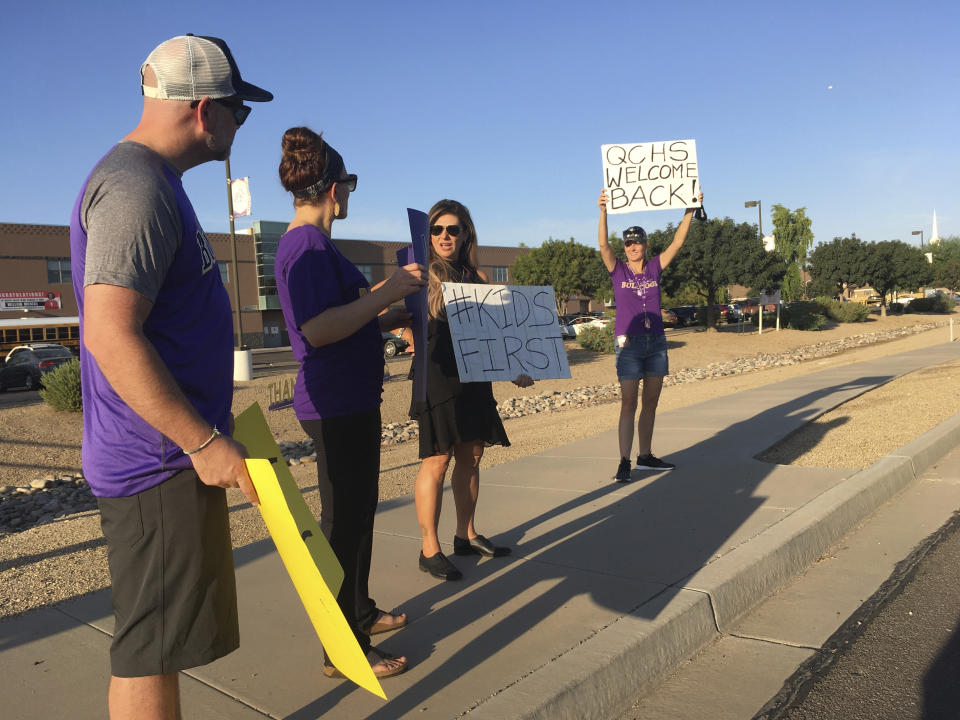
<point>642,356</point>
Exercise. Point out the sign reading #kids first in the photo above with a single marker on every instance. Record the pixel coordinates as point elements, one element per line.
<point>650,176</point>
<point>502,331</point>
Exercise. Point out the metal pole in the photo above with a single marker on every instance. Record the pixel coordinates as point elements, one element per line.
<point>236,268</point>
<point>760,217</point>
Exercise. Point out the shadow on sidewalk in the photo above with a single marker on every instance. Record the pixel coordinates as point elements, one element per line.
<point>648,536</point>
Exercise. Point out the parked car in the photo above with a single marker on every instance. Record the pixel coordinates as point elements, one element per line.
<point>669,317</point>
<point>686,315</point>
<point>751,305</point>
<point>392,344</point>
<point>721,313</point>
<point>25,365</point>
<point>735,315</point>
<point>571,327</point>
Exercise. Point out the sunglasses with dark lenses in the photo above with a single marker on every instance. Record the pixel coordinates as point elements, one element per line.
<point>350,181</point>
<point>628,243</point>
<point>240,111</point>
<point>452,230</point>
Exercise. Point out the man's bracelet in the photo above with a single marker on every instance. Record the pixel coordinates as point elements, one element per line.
<point>213,436</point>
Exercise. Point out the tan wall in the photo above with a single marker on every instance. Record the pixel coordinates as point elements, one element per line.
<point>24,250</point>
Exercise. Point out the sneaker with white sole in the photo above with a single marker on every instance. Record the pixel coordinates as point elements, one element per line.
<point>623,471</point>
<point>652,462</point>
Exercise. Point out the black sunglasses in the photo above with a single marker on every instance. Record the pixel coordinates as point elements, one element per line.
<point>628,243</point>
<point>350,181</point>
<point>452,230</point>
<point>240,112</point>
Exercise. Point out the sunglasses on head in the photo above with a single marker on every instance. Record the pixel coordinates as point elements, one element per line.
<point>240,111</point>
<point>452,230</point>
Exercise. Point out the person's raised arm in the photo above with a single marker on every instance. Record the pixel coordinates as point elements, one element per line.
<point>342,321</point>
<point>113,319</point>
<point>667,256</point>
<point>606,252</point>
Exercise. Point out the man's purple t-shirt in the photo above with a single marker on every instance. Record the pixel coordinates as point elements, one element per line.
<point>637,298</point>
<point>344,377</point>
<point>134,227</point>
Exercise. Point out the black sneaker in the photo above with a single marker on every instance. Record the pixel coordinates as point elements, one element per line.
<point>652,462</point>
<point>623,471</point>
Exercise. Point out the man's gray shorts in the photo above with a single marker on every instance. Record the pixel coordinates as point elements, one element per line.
<point>171,563</point>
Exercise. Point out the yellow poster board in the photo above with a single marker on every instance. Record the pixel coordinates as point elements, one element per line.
<point>306,554</point>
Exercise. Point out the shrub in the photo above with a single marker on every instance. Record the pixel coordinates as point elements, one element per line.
<point>844,312</point>
<point>769,318</point>
<point>937,303</point>
<point>802,316</point>
<point>896,308</point>
<point>597,339</point>
<point>61,387</point>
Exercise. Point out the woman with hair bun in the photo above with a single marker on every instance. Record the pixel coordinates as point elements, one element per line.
<point>458,419</point>
<point>334,319</point>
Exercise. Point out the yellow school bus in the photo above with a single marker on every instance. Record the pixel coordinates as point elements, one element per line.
<point>20,331</point>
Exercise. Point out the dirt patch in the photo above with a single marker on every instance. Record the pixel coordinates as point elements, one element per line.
<point>860,432</point>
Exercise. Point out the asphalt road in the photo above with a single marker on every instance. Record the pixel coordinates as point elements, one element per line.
<point>281,362</point>
<point>898,656</point>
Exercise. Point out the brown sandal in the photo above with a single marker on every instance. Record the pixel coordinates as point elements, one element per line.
<point>383,627</point>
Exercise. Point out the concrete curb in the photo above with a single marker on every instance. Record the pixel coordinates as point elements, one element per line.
<point>604,675</point>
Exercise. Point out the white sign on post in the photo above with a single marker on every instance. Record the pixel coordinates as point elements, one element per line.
<point>502,331</point>
<point>651,176</point>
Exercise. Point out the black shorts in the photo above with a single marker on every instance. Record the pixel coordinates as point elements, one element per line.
<point>171,564</point>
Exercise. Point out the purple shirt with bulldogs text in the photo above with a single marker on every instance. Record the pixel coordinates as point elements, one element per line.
<point>637,298</point>
<point>343,377</point>
<point>134,227</point>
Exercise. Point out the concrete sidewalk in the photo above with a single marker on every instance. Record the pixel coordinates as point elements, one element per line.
<point>610,586</point>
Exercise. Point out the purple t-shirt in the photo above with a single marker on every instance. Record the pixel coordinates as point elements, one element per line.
<point>134,227</point>
<point>637,298</point>
<point>342,378</point>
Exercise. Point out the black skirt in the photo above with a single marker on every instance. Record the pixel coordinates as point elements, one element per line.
<point>454,412</point>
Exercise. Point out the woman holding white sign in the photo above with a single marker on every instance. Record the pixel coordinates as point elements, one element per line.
<point>641,345</point>
<point>458,420</point>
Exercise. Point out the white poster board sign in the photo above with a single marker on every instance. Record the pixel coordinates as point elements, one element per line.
<point>650,176</point>
<point>502,331</point>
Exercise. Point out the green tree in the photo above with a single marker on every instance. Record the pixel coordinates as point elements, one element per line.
<point>837,266</point>
<point>716,253</point>
<point>892,265</point>
<point>793,238</point>
<point>569,267</point>
<point>948,275</point>
<point>604,294</point>
<point>946,262</point>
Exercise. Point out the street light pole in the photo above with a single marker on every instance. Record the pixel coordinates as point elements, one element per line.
<point>759,207</point>
<point>920,233</point>
<point>236,268</point>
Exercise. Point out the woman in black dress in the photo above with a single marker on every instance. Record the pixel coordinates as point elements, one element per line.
<point>457,420</point>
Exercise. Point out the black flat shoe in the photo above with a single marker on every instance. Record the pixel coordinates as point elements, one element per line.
<point>439,567</point>
<point>478,546</point>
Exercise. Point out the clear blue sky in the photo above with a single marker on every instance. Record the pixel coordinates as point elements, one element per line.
<point>504,106</point>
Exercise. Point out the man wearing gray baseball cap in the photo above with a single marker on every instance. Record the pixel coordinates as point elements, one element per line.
<point>156,332</point>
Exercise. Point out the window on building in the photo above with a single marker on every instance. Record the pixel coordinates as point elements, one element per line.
<point>367,272</point>
<point>500,275</point>
<point>224,272</point>
<point>58,271</point>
